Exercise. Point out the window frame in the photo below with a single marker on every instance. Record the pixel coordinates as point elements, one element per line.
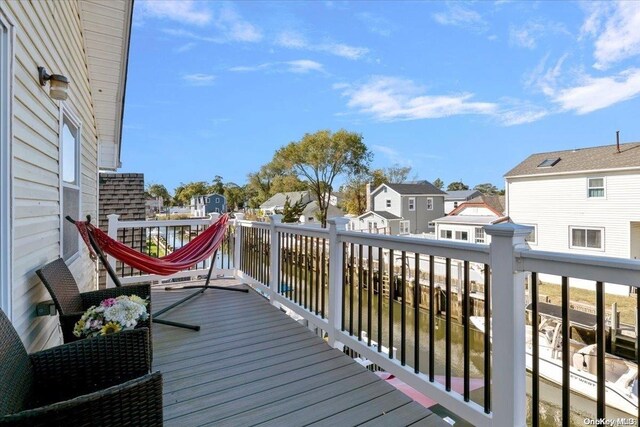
<point>387,203</point>
<point>586,238</point>
<point>482,239</point>
<point>412,204</point>
<point>66,113</point>
<point>7,66</point>
<point>429,203</point>
<point>407,227</point>
<point>603,188</point>
<point>459,233</point>
<point>446,234</point>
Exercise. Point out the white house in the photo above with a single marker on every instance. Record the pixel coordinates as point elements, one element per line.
<point>583,201</point>
<point>53,142</point>
<point>277,201</point>
<point>455,198</point>
<point>401,209</point>
<point>466,222</point>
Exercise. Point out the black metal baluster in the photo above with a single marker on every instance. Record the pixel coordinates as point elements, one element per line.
<point>324,278</point>
<point>535,354</point>
<point>447,339</point>
<point>391,298</point>
<point>310,264</point>
<point>360,258</point>
<point>403,312</point>
<point>380,294</point>
<point>566,362</point>
<point>369,293</point>
<point>352,279</point>
<point>280,260</point>
<point>416,313</point>
<point>465,325</point>
<point>306,272</point>
<point>432,319</point>
<point>487,339</point>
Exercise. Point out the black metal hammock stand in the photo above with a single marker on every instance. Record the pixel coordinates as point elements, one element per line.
<point>183,258</point>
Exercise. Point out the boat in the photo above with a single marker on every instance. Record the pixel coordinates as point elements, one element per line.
<point>621,375</point>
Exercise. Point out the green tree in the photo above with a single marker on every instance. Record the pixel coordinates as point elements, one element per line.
<point>457,186</point>
<point>487,188</point>
<point>217,186</point>
<point>320,157</point>
<point>272,178</point>
<point>291,212</point>
<point>378,177</point>
<point>235,196</point>
<point>184,192</point>
<point>397,174</point>
<point>438,183</point>
<point>158,190</point>
<point>355,194</point>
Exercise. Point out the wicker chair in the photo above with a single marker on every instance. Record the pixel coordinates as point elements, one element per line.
<point>71,304</point>
<point>104,381</point>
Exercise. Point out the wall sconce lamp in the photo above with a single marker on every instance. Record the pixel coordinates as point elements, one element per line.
<point>58,84</point>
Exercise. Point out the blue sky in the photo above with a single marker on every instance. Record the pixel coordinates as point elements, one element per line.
<point>456,90</point>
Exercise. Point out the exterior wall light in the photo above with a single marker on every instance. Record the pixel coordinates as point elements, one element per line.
<point>58,84</point>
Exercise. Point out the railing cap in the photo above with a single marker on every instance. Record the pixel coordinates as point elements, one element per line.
<point>276,218</point>
<point>339,223</point>
<point>508,229</point>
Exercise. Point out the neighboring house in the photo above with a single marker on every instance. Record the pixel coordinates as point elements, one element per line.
<point>52,148</point>
<point>277,201</point>
<point>153,206</point>
<point>402,209</point>
<point>211,203</point>
<point>455,198</point>
<point>584,201</point>
<point>466,223</point>
<point>310,212</point>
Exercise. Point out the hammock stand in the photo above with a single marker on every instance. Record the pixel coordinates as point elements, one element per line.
<point>112,274</point>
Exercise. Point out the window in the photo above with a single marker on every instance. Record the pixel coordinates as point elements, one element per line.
<point>388,203</point>
<point>404,227</point>
<point>589,238</point>
<point>206,200</point>
<point>217,199</point>
<point>455,205</point>
<point>412,203</point>
<point>6,75</point>
<point>216,210</point>
<point>547,163</point>
<point>70,180</point>
<point>595,187</point>
<point>446,234</point>
<point>429,203</point>
<point>480,235</point>
<point>462,235</point>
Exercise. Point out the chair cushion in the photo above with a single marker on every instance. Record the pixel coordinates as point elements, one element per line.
<point>16,370</point>
<point>62,286</point>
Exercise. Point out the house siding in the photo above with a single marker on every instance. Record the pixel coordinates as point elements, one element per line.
<point>380,201</point>
<point>554,204</point>
<point>47,33</point>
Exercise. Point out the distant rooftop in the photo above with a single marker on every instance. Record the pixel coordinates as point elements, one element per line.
<point>422,188</point>
<point>605,157</point>
<point>461,195</point>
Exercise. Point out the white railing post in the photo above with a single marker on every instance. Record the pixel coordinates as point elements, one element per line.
<point>336,260</point>
<point>237,240</point>
<point>508,325</point>
<point>274,255</point>
<point>112,231</point>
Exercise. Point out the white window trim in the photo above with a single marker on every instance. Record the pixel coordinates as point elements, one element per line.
<point>408,227</point>
<point>387,203</point>
<point>412,204</point>
<point>429,203</point>
<point>478,240</point>
<point>6,172</point>
<point>66,111</point>
<point>586,248</point>
<point>604,187</point>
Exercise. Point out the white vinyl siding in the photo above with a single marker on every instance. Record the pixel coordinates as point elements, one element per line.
<point>595,187</point>
<point>49,34</point>
<point>582,237</point>
<point>6,75</point>
<point>404,227</point>
<point>532,237</point>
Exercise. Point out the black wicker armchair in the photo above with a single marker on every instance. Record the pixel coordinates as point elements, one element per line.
<point>104,381</point>
<point>71,304</point>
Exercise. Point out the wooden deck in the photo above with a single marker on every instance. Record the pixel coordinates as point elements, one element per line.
<point>250,364</point>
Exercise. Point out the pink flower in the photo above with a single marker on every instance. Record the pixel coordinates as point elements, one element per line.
<point>108,302</point>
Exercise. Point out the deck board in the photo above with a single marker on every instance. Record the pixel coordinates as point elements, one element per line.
<point>250,364</point>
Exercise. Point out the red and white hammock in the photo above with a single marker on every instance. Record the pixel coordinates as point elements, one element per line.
<point>197,250</point>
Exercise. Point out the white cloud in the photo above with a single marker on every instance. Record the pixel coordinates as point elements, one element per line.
<point>199,79</point>
<point>185,47</point>
<point>515,112</point>
<point>460,16</point>
<point>229,22</point>
<point>546,80</point>
<point>295,40</point>
<point>596,93</point>
<point>393,155</point>
<point>184,11</point>
<point>527,35</point>
<point>300,66</point>
<point>391,99</point>
<point>619,38</point>
<point>376,24</point>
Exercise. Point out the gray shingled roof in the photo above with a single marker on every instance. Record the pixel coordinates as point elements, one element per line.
<point>461,194</point>
<point>605,157</point>
<point>279,199</point>
<point>386,215</point>
<point>426,188</point>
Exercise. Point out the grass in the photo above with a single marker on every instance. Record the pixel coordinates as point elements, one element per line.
<point>626,304</point>
<point>153,249</point>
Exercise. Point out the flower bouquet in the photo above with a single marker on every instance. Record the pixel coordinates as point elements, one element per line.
<point>112,315</point>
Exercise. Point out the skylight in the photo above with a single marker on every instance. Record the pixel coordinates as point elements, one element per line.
<point>547,163</point>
